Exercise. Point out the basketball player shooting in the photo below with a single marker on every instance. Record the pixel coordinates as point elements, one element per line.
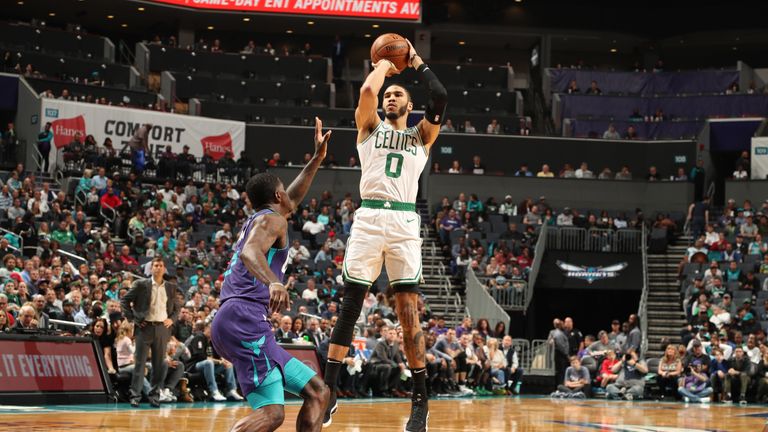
<point>387,227</point>
<point>252,290</point>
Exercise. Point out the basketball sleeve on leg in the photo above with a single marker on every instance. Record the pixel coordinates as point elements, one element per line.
<point>354,295</point>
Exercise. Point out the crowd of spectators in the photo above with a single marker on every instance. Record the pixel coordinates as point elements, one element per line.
<point>583,171</point>
<point>725,299</point>
<point>61,261</point>
<point>610,364</point>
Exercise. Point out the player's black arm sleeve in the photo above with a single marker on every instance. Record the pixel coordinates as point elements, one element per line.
<point>438,96</point>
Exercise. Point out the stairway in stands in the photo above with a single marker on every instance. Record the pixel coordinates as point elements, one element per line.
<point>443,296</point>
<point>665,315</point>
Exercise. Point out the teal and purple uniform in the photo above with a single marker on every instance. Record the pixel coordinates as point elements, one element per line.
<point>242,333</point>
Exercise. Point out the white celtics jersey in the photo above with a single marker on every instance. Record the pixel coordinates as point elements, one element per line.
<point>391,161</point>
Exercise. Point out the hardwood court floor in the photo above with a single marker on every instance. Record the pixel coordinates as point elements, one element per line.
<point>478,415</point>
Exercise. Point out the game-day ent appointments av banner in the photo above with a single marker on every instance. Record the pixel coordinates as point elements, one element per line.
<point>373,9</point>
<point>759,158</point>
<point>203,135</point>
<point>590,270</point>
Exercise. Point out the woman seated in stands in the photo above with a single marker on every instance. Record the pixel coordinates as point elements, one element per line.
<point>670,370</point>
<point>125,349</point>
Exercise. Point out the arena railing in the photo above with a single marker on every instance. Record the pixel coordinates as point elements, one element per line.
<point>511,298</point>
<point>642,309</point>
<point>481,304</point>
<point>593,239</point>
<point>538,256</point>
<point>523,348</point>
<point>18,238</point>
<point>541,358</point>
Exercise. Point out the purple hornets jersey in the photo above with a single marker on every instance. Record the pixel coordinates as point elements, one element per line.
<point>239,282</point>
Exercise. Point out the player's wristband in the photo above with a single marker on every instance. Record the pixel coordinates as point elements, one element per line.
<point>276,283</point>
<point>422,68</point>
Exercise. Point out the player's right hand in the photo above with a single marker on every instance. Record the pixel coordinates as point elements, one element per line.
<point>384,63</point>
<point>278,297</point>
<point>321,142</point>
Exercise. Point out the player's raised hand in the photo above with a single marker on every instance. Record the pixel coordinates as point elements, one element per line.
<point>278,297</point>
<point>321,139</point>
<point>414,60</point>
<point>384,63</point>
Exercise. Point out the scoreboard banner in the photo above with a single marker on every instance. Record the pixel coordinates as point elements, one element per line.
<point>213,137</point>
<point>49,366</point>
<point>409,10</point>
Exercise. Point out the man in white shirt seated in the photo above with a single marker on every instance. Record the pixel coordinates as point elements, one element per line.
<point>310,293</point>
<point>298,251</point>
<point>583,172</point>
<point>311,229</point>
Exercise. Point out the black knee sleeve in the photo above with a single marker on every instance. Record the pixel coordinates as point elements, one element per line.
<point>406,288</point>
<point>354,295</point>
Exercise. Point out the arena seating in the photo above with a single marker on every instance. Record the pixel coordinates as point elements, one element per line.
<point>248,66</point>
<point>79,91</point>
<point>687,99</point>
<point>25,37</point>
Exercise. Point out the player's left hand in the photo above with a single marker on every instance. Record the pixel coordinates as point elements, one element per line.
<point>321,139</point>
<point>278,297</point>
<point>412,54</point>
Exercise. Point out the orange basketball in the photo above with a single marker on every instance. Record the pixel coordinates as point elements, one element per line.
<point>392,47</point>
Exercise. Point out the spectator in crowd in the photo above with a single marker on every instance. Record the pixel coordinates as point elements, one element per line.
<point>477,166</point>
<point>210,365</point>
<point>523,171</point>
<point>44,140</point>
<point>743,161</point>
<point>630,384</point>
<point>567,171</point>
<point>455,168</point>
<point>583,172</point>
<point>680,175</point>
<point>737,373</point>
<point>694,387</point>
<point>740,173</point>
<point>447,126</point>
<point>468,128</point>
<point>631,133</point>
<point>493,127</point>
<point>611,133</point>
<point>624,173</point>
<point>559,340</point>
<point>594,89</point>
<point>387,363</point>
<point>577,381</point>
<point>605,174</point>
<point>545,172</point>
<point>572,88</point>
<point>698,216</point>
<point>669,371</point>
<point>513,371</point>
<point>653,174</point>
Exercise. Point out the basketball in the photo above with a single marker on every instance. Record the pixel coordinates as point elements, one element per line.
<point>393,47</point>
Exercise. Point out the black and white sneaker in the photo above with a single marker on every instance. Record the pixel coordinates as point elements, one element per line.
<point>333,406</point>
<point>419,416</point>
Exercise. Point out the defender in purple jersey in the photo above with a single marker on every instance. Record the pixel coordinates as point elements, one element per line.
<point>252,290</point>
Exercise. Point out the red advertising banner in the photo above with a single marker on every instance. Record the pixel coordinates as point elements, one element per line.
<point>37,366</point>
<point>373,9</point>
